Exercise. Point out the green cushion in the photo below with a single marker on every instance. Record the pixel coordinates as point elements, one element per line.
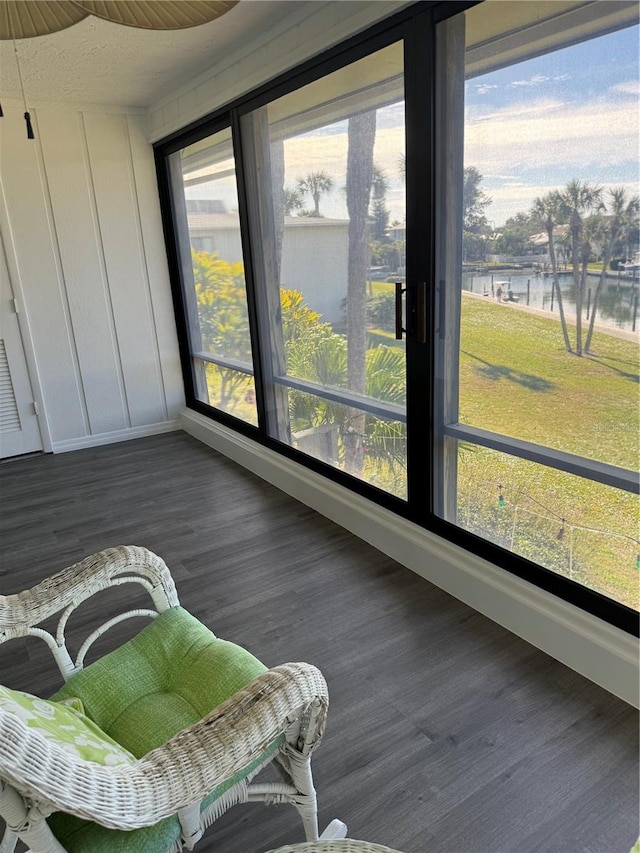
<point>65,725</point>
<point>82,836</point>
<point>163,680</point>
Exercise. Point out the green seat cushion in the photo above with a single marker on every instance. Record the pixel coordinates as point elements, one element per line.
<point>168,677</point>
<point>82,836</point>
<point>64,724</point>
<point>173,673</point>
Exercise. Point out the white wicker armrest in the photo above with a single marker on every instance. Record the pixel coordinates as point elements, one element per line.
<point>184,770</point>
<point>71,586</point>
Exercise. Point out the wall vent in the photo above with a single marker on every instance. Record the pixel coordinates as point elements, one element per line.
<point>9,417</point>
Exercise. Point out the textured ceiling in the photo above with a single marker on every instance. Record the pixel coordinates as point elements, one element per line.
<point>99,62</point>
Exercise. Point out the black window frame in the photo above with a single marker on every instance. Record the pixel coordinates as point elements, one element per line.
<point>416,26</point>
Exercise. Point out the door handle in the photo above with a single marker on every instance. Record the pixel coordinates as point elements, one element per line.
<point>421,312</point>
<point>399,327</point>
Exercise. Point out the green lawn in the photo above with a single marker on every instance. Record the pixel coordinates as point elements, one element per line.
<point>516,378</point>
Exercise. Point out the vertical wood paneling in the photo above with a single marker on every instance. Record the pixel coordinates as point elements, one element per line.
<point>25,217</point>
<point>79,210</point>
<point>69,180</point>
<point>156,263</point>
<point>119,231</point>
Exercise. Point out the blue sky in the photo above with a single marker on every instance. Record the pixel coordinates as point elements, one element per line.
<point>529,128</point>
<point>573,113</point>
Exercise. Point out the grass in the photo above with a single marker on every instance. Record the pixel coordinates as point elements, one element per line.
<point>517,379</point>
<point>376,337</point>
<point>379,288</point>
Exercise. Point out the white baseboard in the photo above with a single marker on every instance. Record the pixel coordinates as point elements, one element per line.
<point>113,437</point>
<point>599,651</point>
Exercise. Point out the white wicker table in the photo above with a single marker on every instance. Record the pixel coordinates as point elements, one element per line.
<point>343,845</point>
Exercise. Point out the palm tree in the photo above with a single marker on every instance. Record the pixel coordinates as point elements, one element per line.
<point>546,212</point>
<point>292,200</point>
<point>580,199</point>
<point>624,214</point>
<point>379,209</point>
<point>379,181</point>
<point>316,184</point>
<point>361,135</point>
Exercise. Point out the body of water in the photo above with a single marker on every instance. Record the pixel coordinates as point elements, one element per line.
<point>618,304</point>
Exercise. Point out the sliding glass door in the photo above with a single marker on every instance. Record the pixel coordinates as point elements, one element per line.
<point>327,164</point>
<point>538,412</point>
<point>408,265</point>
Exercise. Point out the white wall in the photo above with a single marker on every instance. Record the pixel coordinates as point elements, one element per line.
<point>80,217</point>
<point>315,255</point>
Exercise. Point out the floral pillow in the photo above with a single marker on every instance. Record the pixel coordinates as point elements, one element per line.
<point>65,724</point>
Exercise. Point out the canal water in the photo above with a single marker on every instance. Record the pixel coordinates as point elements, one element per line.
<point>618,305</point>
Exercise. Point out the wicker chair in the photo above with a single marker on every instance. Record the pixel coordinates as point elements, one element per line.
<point>180,771</point>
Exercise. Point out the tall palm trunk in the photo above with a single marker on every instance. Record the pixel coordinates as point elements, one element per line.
<point>556,284</point>
<point>594,309</point>
<point>582,200</point>
<point>277,183</point>
<point>606,260</point>
<point>586,250</point>
<point>577,278</point>
<point>361,136</point>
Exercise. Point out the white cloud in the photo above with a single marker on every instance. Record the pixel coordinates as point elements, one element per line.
<point>631,87</point>
<point>485,88</point>
<point>532,81</point>
<point>549,134</point>
<point>522,150</point>
<point>546,140</point>
<point>502,177</point>
<point>538,110</point>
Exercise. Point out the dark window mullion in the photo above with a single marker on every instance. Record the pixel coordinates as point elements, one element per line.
<point>347,398</point>
<point>419,72</point>
<point>449,53</point>
<point>255,330</point>
<point>258,226</point>
<point>561,460</point>
<point>197,376</point>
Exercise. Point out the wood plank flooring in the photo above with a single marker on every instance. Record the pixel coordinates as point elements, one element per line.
<point>446,733</point>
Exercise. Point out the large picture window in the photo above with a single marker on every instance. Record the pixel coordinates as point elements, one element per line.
<point>214,293</point>
<point>327,163</point>
<point>539,419</point>
<point>412,265</point>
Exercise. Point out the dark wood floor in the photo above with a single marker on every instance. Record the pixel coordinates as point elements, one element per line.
<point>446,733</point>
